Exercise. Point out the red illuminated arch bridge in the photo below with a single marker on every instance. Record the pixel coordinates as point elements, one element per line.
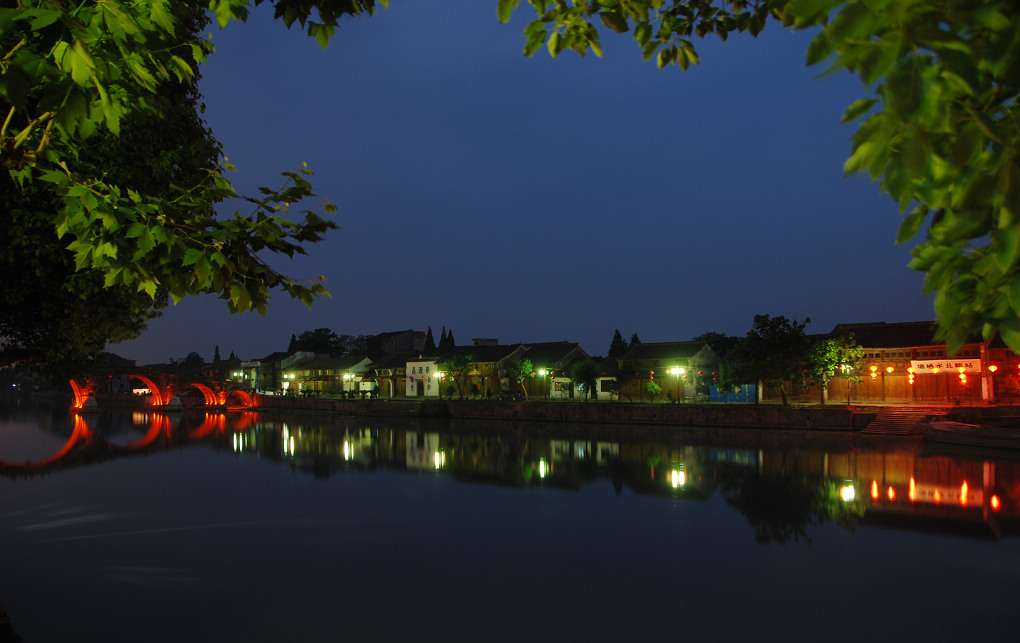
<point>222,394</point>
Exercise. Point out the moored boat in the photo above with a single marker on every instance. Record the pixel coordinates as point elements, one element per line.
<point>977,435</point>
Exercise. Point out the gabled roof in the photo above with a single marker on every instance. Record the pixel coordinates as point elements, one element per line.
<point>895,335</point>
<point>484,354</point>
<point>554,354</point>
<point>394,360</point>
<point>663,351</point>
<point>333,363</point>
<point>273,357</point>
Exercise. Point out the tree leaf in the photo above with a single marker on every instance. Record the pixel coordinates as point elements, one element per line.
<point>615,21</point>
<point>911,224</point>
<point>504,9</point>
<point>857,109</point>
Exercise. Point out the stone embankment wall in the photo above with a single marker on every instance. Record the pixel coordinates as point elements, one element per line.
<point>836,418</point>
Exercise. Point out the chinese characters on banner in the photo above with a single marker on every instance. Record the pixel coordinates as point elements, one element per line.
<point>947,365</point>
<point>419,374</point>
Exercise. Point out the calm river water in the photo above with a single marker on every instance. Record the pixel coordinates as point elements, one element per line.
<point>258,527</point>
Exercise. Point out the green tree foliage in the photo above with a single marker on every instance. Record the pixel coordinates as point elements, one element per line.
<point>840,357</point>
<point>56,313</point>
<point>653,389</point>
<point>456,367</point>
<point>519,370</point>
<point>586,374</point>
<point>74,77</point>
<point>939,125</point>
<point>774,352</point>
<point>617,347</point>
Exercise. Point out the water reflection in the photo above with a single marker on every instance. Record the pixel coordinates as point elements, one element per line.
<point>783,491</point>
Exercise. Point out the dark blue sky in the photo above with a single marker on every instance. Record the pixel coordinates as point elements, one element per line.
<point>547,199</point>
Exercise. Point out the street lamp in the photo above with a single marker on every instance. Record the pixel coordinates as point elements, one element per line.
<point>846,368</point>
<point>676,370</point>
<point>439,385</point>
<point>545,389</point>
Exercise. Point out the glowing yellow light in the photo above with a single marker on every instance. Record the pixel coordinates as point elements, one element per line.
<point>935,370</point>
<point>889,369</point>
<point>963,494</point>
<point>891,493</point>
<point>874,489</point>
<point>541,372</point>
<point>937,496</point>
<point>847,493</point>
<point>912,493</point>
<point>347,450</point>
<point>543,470</point>
<point>677,478</point>
<point>440,459</point>
<point>910,369</point>
<point>993,368</point>
<point>996,503</point>
<point>873,368</point>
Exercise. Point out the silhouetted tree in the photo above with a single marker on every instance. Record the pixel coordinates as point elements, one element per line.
<point>774,352</point>
<point>446,343</point>
<point>586,373</point>
<point>216,354</point>
<point>617,347</point>
<point>430,341</point>
<point>320,340</point>
<point>634,341</point>
<point>720,344</point>
<point>354,345</point>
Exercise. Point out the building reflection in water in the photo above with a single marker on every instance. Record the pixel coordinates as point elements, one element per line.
<point>782,491</point>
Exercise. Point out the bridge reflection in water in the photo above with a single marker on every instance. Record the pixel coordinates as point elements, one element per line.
<point>783,492</point>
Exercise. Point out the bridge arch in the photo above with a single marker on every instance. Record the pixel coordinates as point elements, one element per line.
<point>81,432</point>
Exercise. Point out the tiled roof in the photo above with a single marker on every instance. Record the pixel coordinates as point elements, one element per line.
<point>479,354</point>
<point>895,335</point>
<point>394,360</point>
<point>554,353</point>
<point>333,363</point>
<point>662,350</point>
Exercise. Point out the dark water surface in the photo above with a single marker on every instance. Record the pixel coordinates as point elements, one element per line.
<point>257,527</point>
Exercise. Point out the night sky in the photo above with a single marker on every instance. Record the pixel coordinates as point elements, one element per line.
<point>546,199</point>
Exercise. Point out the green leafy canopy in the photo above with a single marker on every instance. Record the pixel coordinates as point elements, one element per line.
<point>70,74</point>
<point>940,131</point>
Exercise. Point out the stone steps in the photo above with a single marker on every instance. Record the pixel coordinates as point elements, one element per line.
<point>901,420</point>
